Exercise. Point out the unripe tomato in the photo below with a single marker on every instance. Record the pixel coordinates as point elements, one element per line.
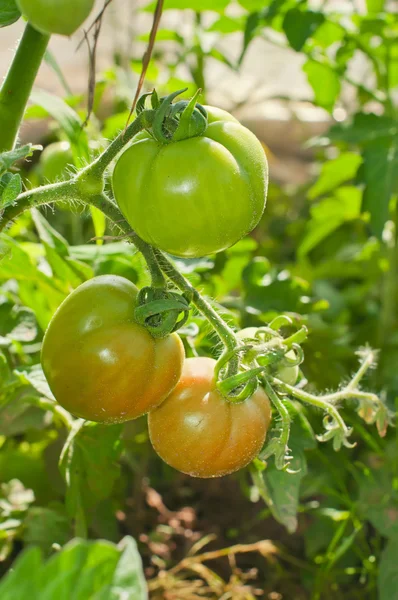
<point>200,433</point>
<point>196,196</point>
<point>56,16</point>
<point>55,160</point>
<point>286,374</point>
<point>99,363</point>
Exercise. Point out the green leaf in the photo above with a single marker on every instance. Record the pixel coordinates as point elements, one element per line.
<point>375,6</point>
<point>299,25</point>
<point>365,128</point>
<point>99,222</point>
<point>280,490</point>
<point>68,120</point>
<point>7,159</point>
<point>227,25</point>
<point>329,214</point>
<point>9,12</point>
<point>82,570</point>
<point>388,572</point>
<point>328,33</point>
<point>380,174</point>
<point>253,22</point>
<point>324,81</point>
<point>334,173</point>
<point>88,464</point>
<point>34,376</point>
<point>45,526</point>
<point>213,5</point>
<point>54,65</point>
<point>254,5</point>
<point>128,575</point>
<point>11,190</point>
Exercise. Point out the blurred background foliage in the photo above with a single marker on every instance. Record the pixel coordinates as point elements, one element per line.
<point>325,253</point>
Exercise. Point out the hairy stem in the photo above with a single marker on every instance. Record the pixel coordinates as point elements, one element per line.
<point>223,330</point>
<point>15,91</point>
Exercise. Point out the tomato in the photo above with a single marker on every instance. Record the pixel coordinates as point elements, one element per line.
<point>196,196</point>
<point>56,16</point>
<point>55,161</point>
<point>286,374</point>
<point>200,433</point>
<point>99,363</point>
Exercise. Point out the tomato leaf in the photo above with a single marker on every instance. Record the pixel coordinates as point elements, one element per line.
<point>9,12</point>
<point>334,173</point>
<point>299,25</point>
<point>388,573</point>
<point>83,569</point>
<point>324,81</point>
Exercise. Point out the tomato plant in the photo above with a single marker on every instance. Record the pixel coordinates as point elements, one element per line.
<point>56,16</point>
<point>282,370</point>
<point>194,196</point>
<point>198,432</point>
<point>99,363</point>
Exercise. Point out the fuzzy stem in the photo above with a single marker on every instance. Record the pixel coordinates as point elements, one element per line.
<point>223,330</point>
<point>15,91</point>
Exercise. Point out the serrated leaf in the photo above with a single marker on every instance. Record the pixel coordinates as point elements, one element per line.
<point>281,489</point>
<point>11,190</point>
<point>299,25</point>
<point>324,81</point>
<point>334,173</point>
<point>9,12</point>
<point>7,159</point>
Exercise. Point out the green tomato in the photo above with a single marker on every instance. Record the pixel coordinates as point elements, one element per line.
<point>286,374</point>
<point>196,196</point>
<point>56,16</point>
<point>55,161</point>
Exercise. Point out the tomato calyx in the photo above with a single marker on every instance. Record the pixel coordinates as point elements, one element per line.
<point>175,122</point>
<point>160,311</point>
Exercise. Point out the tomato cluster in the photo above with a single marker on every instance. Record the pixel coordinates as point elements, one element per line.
<point>190,197</point>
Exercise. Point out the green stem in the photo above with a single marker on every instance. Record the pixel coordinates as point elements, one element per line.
<point>15,91</point>
<point>225,333</point>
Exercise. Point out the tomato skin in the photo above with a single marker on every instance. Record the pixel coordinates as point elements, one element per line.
<point>99,363</point>
<point>286,374</point>
<point>56,16</point>
<point>200,433</point>
<point>55,161</point>
<point>195,196</point>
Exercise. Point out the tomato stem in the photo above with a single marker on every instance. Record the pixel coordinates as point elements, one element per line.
<point>15,91</point>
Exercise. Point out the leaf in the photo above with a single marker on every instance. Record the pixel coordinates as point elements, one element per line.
<point>254,5</point>
<point>68,120</point>
<point>45,526</point>
<point>212,5</point>
<point>11,190</point>
<point>99,222</point>
<point>35,377</point>
<point>363,129</point>
<point>380,174</point>
<point>23,580</point>
<point>324,81</point>
<point>253,22</point>
<point>226,25</point>
<point>88,464</point>
<point>334,173</point>
<point>53,64</point>
<point>388,573</point>
<point>9,12</point>
<point>375,6</point>
<point>280,490</point>
<point>128,575</point>
<point>299,25</point>
<point>328,33</point>
<point>329,214</point>
<point>7,159</point>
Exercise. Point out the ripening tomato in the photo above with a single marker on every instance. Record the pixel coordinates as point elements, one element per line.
<point>286,374</point>
<point>200,433</point>
<point>100,364</point>
<point>195,196</point>
<point>56,16</point>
